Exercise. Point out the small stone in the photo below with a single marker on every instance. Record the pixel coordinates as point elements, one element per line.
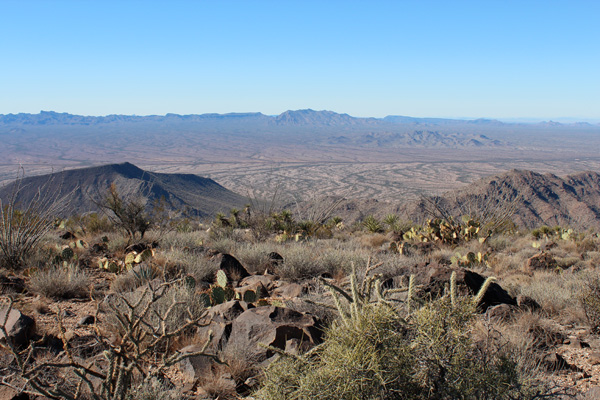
<point>67,313</point>
<point>592,394</point>
<point>251,382</point>
<point>595,358</point>
<point>574,342</point>
<point>527,303</point>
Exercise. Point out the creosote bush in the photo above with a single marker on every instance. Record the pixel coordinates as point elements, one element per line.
<point>127,214</point>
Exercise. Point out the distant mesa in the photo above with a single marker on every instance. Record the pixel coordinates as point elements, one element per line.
<point>200,196</point>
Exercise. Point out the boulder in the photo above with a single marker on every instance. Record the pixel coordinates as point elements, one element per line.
<point>8,393</point>
<point>437,277</point>
<point>196,366</point>
<point>217,326</point>
<point>218,323</point>
<point>233,326</point>
<point>540,261</point>
<point>289,291</point>
<point>256,287</point>
<point>19,327</point>
<point>273,326</point>
<point>268,281</point>
<point>275,259</point>
<point>67,235</point>
<point>234,270</point>
<point>140,247</point>
<point>592,394</point>
<point>554,361</point>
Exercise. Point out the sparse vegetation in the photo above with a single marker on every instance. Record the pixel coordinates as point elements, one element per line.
<point>390,333</point>
<point>23,225</point>
<point>128,214</point>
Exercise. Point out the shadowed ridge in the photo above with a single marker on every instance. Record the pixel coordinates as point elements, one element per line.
<point>539,199</point>
<point>198,195</point>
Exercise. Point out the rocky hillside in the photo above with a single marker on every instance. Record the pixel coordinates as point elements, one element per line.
<point>536,199</point>
<point>83,187</point>
<point>531,198</point>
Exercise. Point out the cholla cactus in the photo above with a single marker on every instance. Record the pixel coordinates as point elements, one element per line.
<point>365,293</point>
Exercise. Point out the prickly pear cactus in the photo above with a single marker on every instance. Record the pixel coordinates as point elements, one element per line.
<point>67,254</point>
<point>250,296</point>
<point>221,278</point>
<point>190,282</point>
<point>229,294</point>
<point>130,258</point>
<point>205,299</point>
<point>144,256</point>
<point>217,295</point>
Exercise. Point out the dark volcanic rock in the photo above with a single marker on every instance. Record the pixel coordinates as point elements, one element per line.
<point>273,326</point>
<point>540,261</point>
<point>19,327</point>
<point>234,270</point>
<point>469,282</point>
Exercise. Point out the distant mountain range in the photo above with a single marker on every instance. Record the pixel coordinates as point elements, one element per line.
<point>287,118</point>
<point>82,188</point>
<point>307,128</point>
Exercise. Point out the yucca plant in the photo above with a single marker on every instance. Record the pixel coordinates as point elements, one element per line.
<point>372,224</point>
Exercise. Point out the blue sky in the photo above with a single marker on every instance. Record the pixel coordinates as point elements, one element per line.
<point>485,58</point>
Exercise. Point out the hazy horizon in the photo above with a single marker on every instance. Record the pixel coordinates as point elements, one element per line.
<point>565,120</point>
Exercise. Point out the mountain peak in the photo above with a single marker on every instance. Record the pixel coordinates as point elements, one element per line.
<point>312,117</point>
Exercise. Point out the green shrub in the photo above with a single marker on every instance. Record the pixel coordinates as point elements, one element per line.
<point>367,362</point>
<point>382,356</point>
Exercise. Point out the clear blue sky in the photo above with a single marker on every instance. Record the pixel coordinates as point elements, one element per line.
<point>481,58</point>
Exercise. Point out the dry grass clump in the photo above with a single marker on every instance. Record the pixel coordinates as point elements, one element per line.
<point>218,387</point>
<point>255,256</point>
<point>183,300</point>
<point>61,282</point>
<point>223,245</point>
<point>590,300</point>
<point>180,240</point>
<point>154,389</point>
<point>557,293</point>
<point>373,240</point>
<point>137,276</point>
<point>191,263</point>
<point>116,242</point>
<point>311,259</point>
